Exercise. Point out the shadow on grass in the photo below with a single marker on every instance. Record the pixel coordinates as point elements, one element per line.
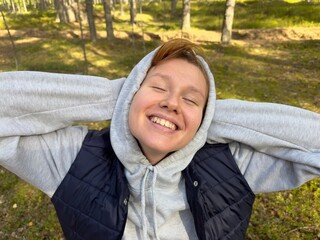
<point>280,72</point>
<point>25,212</point>
<point>262,14</point>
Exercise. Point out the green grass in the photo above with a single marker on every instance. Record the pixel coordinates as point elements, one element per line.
<point>282,14</point>
<point>284,72</point>
<point>25,213</point>
<point>45,21</point>
<point>279,72</point>
<point>204,15</point>
<point>256,14</point>
<point>287,215</point>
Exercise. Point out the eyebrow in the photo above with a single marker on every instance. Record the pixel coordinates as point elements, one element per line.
<point>167,77</point>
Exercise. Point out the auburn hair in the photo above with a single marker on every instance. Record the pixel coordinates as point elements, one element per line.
<point>181,49</point>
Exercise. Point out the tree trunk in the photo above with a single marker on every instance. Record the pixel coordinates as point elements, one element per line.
<point>13,6</point>
<point>108,19</point>
<point>66,13</point>
<point>121,8</point>
<point>140,6</point>
<point>42,5</point>
<point>186,15</point>
<point>5,5</point>
<point>34,3</point>
<point>83,46</point>
<point>61,14</point>
<point>25,6</point>
<point>173,7</point>
<point>90,17</point>
<point>19,6</point>
<point>11,40</point>
<point>226,34</point>
<point>133,10</point>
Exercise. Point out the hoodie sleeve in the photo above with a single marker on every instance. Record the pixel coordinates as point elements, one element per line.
<point>36,110</point>
<point>37,102</point>
<point>42,160</point>
<point>277,147</point>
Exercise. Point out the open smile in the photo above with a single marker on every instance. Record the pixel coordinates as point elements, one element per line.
<point>164,123</point>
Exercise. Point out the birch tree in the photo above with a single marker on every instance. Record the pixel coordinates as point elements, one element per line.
<point>90,17</point>
<point>25,9</point>
<point>13,7</point>
<point>11,40</point>
<point>108,19</point>
<point>83,46</point>
<point>226,34</point>
<point>173,7</point>
<point>186,15</point>
<point>133,11</point>
<point>61,13</point>
<point>121,8</point>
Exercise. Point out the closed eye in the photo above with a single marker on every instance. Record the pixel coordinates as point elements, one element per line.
<point>159,89</point>
<point>191,101</point>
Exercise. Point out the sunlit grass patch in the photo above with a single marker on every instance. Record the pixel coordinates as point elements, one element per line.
<point>53,55</point>
<point>33,19</point>
<point>271,14</point>
<point>255,73</point>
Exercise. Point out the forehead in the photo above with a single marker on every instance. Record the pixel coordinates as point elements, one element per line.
<point>179,71</point>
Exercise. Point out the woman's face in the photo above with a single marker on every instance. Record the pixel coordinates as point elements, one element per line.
<point>167,110</point>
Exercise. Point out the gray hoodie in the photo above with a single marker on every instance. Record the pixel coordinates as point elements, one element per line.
<point>276,147</point>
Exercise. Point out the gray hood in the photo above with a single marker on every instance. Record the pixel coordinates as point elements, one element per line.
<point>158,198</point>
<point>125,145</point>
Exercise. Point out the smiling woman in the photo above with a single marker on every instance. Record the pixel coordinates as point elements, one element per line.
<point>175,163</point>
<point>168,107</point>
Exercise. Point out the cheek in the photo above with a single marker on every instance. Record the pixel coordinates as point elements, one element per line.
<point>136,112</point>
<point>195,120</point>
<point>132,117</point>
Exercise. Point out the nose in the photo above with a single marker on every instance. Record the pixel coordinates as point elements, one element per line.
<point>171,103</point>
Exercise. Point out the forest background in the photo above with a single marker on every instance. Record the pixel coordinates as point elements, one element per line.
<point>272,55</point>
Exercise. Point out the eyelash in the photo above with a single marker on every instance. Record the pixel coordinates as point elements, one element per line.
<point>190,101</point>
<point>159,88</point>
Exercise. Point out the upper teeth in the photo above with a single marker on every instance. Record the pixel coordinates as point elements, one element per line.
<point>163,122</point>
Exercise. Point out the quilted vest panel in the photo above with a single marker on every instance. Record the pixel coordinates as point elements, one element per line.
<point>91,202</point>
<point>220,199</point>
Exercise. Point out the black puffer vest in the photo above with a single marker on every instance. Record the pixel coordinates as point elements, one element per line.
<point>220,198</point>
<point>91,202</point>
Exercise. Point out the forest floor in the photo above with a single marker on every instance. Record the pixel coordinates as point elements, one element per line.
<point>242,36</point>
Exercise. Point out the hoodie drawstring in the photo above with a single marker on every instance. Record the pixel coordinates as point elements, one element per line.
<point>143,202</point>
